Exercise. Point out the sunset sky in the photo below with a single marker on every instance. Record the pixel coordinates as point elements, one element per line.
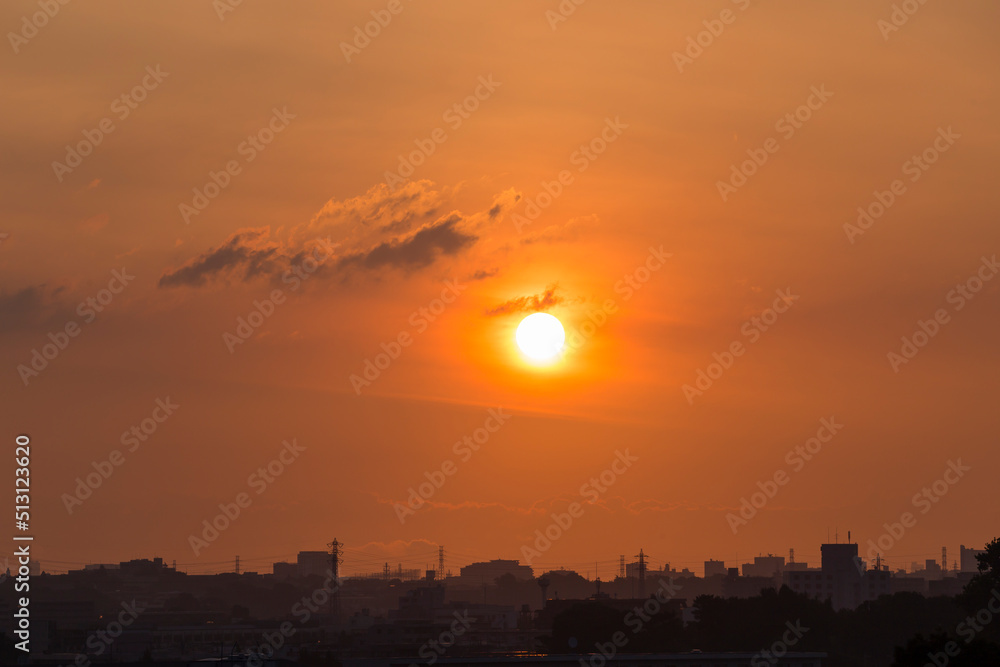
<point>567,163</point>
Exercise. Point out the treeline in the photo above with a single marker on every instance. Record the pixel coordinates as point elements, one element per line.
<point>900,630</point>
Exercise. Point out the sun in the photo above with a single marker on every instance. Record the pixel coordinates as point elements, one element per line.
<point>540,337</point>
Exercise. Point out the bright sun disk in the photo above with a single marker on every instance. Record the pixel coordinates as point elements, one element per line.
<point>540,337</point>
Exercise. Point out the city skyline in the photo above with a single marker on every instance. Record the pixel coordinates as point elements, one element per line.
<point>546,281</point>
<point>355,563</point>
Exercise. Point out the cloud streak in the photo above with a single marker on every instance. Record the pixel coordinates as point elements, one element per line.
<point>533,303</point>
<point>246,254</point>
<point>378,231</point>
<point>417,250</point>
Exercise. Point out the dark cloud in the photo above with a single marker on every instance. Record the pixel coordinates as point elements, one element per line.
<point>503,202</point>
<point>379,230</point>
<point>416,251</point>
<point>247,254</point>
<point>21,302</point>
<point>483,274</point>
<point>533,303</point>
<point>31,306</point>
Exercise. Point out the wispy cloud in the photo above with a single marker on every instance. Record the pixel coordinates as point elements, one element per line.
<point>532,303</point>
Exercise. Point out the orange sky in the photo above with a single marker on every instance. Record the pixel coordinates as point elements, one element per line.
<point>672,130</point>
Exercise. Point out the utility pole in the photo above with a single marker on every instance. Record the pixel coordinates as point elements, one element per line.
<point>237,565</point>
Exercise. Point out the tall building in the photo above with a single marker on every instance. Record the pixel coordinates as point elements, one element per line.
<point>314,563</point>
<point>967,559</point>
<point>842,578</point>
<point>932,570</point>
<point>841,565</point>
<point>714,567</point>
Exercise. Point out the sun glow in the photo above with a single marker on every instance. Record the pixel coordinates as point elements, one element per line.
<point>540,337</point>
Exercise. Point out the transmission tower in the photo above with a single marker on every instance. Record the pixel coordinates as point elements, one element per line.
<point>441,562</point>
<point>621,566</point>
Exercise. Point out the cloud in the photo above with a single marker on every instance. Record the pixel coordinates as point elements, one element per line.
<point>533,303</point>
<point>502,203</point>
<point>246,254</point>
<point>417,250</point>
<point>483,274</point>
<point>30,307</point>
<point>380,230</point>
<point>571,231</point>
<point>95,223</point>
<point>394,548</point>
<point>380,210</point>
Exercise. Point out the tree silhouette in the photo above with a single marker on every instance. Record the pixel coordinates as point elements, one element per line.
<point>580,628</point>
<point>986,584</point>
